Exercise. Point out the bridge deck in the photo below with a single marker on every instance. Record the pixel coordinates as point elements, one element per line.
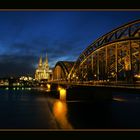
<point>99,84</point>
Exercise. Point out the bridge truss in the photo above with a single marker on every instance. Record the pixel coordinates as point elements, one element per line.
<point>114,56</point>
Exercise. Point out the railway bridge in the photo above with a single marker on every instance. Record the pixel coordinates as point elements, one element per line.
<point>114,57</point>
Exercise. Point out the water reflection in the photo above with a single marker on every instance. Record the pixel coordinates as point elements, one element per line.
<point>119,99</point>
<point>60,113</point>
<point>18,88</point>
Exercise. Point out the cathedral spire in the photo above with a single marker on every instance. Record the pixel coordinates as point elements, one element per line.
<point>46,65</point>
<point>40,62</point>
<point>43,72</point>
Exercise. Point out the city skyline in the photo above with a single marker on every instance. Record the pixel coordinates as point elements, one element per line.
<point>63,35</point>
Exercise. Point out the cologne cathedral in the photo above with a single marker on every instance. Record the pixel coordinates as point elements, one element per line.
<point>43,72</point>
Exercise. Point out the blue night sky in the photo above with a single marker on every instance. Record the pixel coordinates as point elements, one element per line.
<point>63,35</point>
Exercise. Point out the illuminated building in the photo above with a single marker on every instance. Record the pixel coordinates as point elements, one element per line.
<point>25,78</point>
<point>4,82</point>
<point>43,72</point>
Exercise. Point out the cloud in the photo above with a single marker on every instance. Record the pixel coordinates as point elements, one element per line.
<point>17,65</point>
<point>21,58</point>
<point>64,51</point>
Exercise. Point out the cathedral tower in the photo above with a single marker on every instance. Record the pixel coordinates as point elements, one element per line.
<point>46,64</point>
<point>40,62</point>
<point>43,71</point>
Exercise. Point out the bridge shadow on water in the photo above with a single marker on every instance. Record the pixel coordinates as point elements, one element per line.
<point>90,115</point>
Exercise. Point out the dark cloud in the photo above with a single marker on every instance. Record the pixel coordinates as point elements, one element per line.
<point>11,65</point>
<point>56,51</point>
<point>22,57</point>
<point>64,51</point>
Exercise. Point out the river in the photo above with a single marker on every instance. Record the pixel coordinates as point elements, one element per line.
<point>33,109</point>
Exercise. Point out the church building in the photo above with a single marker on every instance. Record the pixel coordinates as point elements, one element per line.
<point>43,72</point>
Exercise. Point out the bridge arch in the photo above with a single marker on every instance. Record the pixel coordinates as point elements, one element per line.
<point>114,56</point>
<point>62,69</point>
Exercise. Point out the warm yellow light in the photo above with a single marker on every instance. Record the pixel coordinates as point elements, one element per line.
<point>126,67</point>
<point>62,93</point>
<point>59,109</point>
<point>25,78</point>
<point>60,113</point>
<point>48,87</point>
<point>137,76</point>
<point>112,73</point>
<point>59,88</point>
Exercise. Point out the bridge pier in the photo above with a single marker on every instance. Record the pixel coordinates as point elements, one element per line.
<point>78,92</point>
<point>93,93</point>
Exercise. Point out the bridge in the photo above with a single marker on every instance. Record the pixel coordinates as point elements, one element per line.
<point>61,70</point>
<point>113,58</point>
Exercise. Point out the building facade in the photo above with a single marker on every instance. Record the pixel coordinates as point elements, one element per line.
<point>43,72</point>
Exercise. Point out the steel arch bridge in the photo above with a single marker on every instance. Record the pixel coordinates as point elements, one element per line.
<point>62,69</point>
<point>114,56</point>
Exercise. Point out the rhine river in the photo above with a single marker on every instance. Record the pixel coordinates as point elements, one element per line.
<point>33,109</point>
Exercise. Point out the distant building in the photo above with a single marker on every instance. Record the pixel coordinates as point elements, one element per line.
<point>43,72</point>
<point>25,78</point>
<point>4,82</point>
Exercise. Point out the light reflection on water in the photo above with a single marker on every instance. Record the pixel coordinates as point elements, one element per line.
<point>119,99</point>
<point>18,88</point>
<point>60,114</point>
<point>34,109</point>
<point>123,97</point>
